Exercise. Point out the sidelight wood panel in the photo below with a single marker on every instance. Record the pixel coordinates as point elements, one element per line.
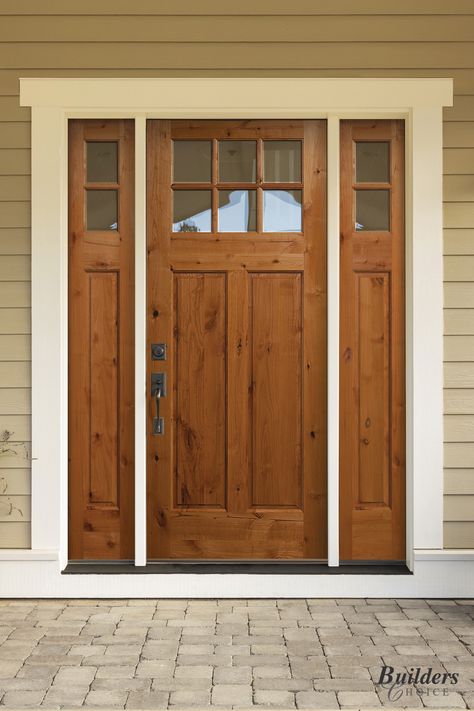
<point>200,385</point>
<point>276,338</point>
<point>372,355</point>
<point>240,471</point>
<point>104,387</point>
<point>101,354</point>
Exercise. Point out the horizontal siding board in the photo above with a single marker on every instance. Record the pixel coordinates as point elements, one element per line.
<point>15,135</point>
<point>15,508</point>
<point>458,481</point>
<point>18,458</point>
<point>15,240</point>
<point>459,454</point>
<point>253,55</point>
<point>15,321</point>
<point>15,267</point>
<point>459,375</point>
<point>458,508</point>
<point>14,188</point>
<point>15,161</point>
<point>456,322</point>
<point>458,161</point>
<point>458,214</point>
<point>15,535</point>
<point>459,295</point>
<point>265,27</point>
<point>15,214</point>
<point>15,347</point>
<point>19,426</point>
<point>458,241</point>
<point>15,481</point>
<point>459,401</point>
<point>459,428</point>
<point>459,348</point>
<point>457,134</point>
<point>15,401</point>
<point>15,293</point>
<point>245,7</point>
<point>14,374</point>
<point>458,188</point>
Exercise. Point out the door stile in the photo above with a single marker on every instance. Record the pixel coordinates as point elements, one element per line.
<point>315,339</point>
<point>159,325</point>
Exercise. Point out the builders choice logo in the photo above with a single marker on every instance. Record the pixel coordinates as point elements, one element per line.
<point>416,681</point>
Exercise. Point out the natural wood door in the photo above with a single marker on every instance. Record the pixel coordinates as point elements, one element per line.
<point>240,469</point>
<point>101,340</point>
<point>372,358</point>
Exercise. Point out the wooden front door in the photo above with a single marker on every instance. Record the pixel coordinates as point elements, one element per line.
<point>236,339</point>
<point>372,359</point>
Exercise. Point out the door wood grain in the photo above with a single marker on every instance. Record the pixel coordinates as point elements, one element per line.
<point>240,471</point>
<point>101,354</point>
<point>372,355</point>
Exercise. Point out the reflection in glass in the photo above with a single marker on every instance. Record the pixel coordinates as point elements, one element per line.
<point>191,211</point>
<point>282,210</point>
<point>373,162</point>
<point>282,161</point>
<point>237,211</point>
<point>102,209</point>
<point>191,161</point>
<point>372,210</point>
<point>102,162</point>
<point>237,161</point>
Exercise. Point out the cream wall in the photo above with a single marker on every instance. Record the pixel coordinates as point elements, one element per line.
<point>185,38</point>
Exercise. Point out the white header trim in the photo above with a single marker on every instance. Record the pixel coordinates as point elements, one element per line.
<point>236,97</point>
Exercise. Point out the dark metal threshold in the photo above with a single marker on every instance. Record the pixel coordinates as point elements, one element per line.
<point>235,567</point>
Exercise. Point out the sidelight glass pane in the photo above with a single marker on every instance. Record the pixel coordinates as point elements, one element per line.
<point>192,161</point>
<point>237,211</point>
<point>372,210</point>
<point>102,165</point>
<point>282,210</point>
<point>373,162</point>
<point>102,209</point>
<point>282,161</point>
<point>191,211</point>
<point>237,161</point>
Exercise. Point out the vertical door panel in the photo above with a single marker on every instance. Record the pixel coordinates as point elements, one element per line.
<point>200,384</point>
<point>101,340</point>
<point>276,338</point>
<point>372,340</point>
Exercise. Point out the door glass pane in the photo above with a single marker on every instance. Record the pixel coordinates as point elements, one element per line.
<point>372,210</point>
<point>237,161</point>
<point>282,210</point>
<point>237,211</point>
<point>282,161</point>
<point>373,162</point>
<point>102,209</point>
<point>191,211</point>
<point>102,162</point>
<point>191,161</point>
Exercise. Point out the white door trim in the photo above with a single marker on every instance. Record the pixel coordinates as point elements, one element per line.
<point>418,101</point>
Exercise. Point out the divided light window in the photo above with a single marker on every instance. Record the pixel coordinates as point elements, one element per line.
<point>237,186</point>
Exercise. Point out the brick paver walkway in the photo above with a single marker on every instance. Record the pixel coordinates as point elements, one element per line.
<point>307,654</point>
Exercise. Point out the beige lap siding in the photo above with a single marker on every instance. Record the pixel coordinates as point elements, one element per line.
<point>185,38</point>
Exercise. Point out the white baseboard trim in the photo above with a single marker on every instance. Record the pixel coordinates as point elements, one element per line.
<point>26,554</point>
<point>433,578</point>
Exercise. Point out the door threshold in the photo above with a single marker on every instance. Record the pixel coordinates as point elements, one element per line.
<point>235,568</point>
